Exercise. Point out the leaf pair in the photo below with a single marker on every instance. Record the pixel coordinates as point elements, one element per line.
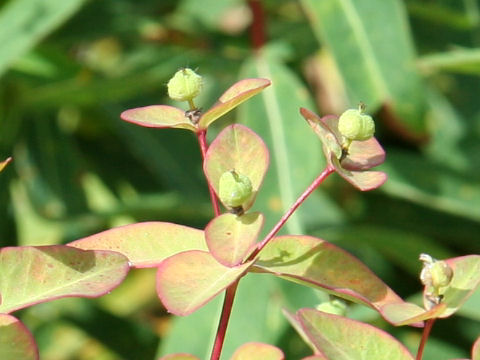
<point>164,116</point>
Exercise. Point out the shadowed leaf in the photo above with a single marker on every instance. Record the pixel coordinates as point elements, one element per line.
<point>187,281</point>
<point>31,275</point>
<point>234,96</point>
<point>317,263</point>
<point>257,351</point>
<point>363,180</point>
<point>230,237</point>
<point>233,149</point>
<point>341,338</point>
<point>145,244</point>
<point>158,116</point>
<point>16,341</point>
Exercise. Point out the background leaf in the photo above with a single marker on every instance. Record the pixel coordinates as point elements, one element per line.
<point>16,341</point>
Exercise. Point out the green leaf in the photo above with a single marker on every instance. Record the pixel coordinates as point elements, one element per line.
<point>24,22</point>
<point>234,96</point>
<point>374,53</point>
<point>319,264</point>
<point>16,341</point>
<point>257,351</point>
<point>31,275</point>
<point>341,338</point>
<point>230,237</point>
<point>179,357</point>
<point>188,280</point>
<point>465,61</point>
<point>158,116</point>
<point>145,244</point>
<point>295,151</point>
<point>233,149</point>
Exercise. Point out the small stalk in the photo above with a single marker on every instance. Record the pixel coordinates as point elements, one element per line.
<point>202,140</point>
<point>225,317</point>
<point>423,341</point>
<point>325,173</point>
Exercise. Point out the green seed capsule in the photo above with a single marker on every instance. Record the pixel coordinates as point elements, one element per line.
<point>184,85</point>
<point>234,189</point>
<point>354,125</point>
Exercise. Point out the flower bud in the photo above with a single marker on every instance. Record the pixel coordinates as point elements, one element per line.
<point>234,189</point>
<point>354,125</point>
<point>184,85</point>
<point>435,275</point>
<point>335,307</point>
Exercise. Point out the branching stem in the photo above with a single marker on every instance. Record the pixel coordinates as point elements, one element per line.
<point>202,140</point>
<point>423,341</point>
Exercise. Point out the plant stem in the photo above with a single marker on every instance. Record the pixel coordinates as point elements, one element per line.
<point>325,173</point>
<point>423,341</point>
<point>257,30</point>
<point>202,140</point>
<point>225,317</point>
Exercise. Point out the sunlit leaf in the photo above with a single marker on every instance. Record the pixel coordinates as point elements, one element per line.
<point>188,280</point>
<point>31,275</point>
<point>179,357</point>
<point>145,244</point>
<point>4,163</point>
<point>233,149</point>
<point>341,338</point>
<point>158,116</point>
<point>476,350</point>
<point>16,341</point>
<point>234,96</point>
<point>317,263</point>
<point>257,351</point>
<point>230,237</point>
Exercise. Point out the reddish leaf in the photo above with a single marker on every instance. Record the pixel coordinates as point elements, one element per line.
<point>230,237</point>
<point>317,263</point>
<point>233,149</point>
<point>257,351</point>
<point>234,96</point>
<point>16,341</point>
<point>188,280</point>
<point>31,275</point>
<point>363,180</point>
<point>158,116</point>
<point>145,244</point>
<point>341,338</point>
<point>476,350</point>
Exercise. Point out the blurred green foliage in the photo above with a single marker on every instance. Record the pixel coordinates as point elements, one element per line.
<point>68,68</point>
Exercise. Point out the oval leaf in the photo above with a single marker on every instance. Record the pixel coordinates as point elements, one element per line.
<point>257,351</point>
<point>187,281</point>
<point>341,338</point>
<point>317,263</point>
<point>145,244</point>
<point>179,357</point>
<point>158,116</point>
<point>16,341</point>
<point>234,96</point>
<point>230,237</point>
<point>233,149</point>
<point>362,180</point>
<point>31,275</point>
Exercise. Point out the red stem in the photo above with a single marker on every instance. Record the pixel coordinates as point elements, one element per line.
<point>325,173</point>
<point>222,325</point>
<point>423,341</point>
<point>202,140</point>
<point>257,30</point>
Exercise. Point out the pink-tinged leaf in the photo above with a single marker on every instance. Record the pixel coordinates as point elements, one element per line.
<point>158,116</point>
<point>363,155</point>
<point>16,341</point>
<point>5,163</point>
<point>341,338</point>
<point>237,148</point>
<point>31,275</point>
<point>293,320</point>
<point>464,282</point>
<point>230,237</point>
<point>145,244</point>
<point>363,180</point>
<point>317,263</point>
<point>257,351</point>
<point>476,350</point>
<point>187,281</point>
<point>330,138</point>
<point>315,357</point>
<point>234,96</point>
<point>179,357</point>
